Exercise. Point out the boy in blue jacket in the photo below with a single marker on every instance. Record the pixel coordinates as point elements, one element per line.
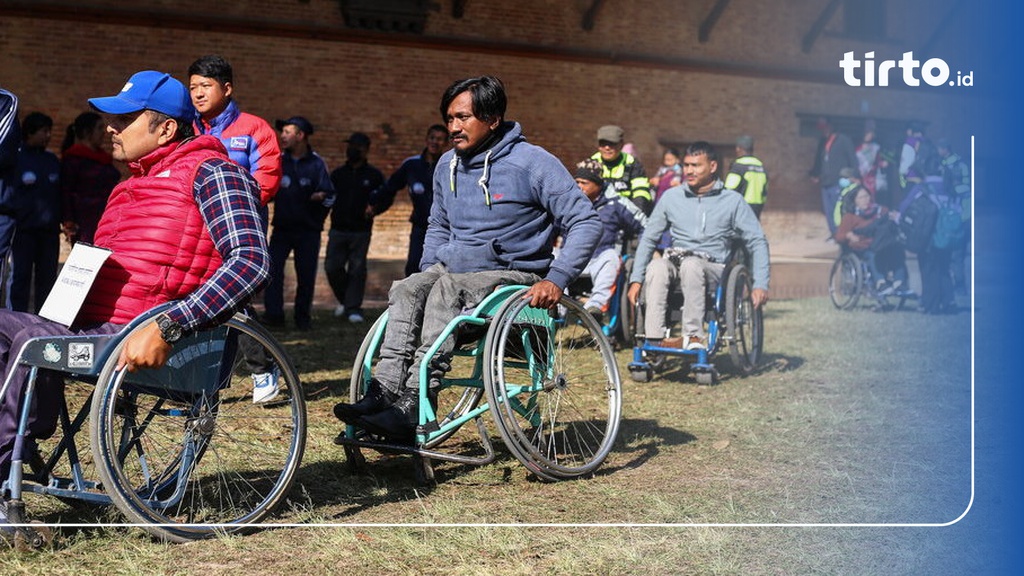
<point>616,219</point>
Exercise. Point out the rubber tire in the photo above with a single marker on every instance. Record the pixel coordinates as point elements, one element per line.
<point>704,378</point>
<point>237,431</point>
<point>744,324</point>
<point>846,281</point>
<point>549,424</point>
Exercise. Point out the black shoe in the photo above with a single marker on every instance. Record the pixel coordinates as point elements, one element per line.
<point>398,421</point>
<point>377,398</point>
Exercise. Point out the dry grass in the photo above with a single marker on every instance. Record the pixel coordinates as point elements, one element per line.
<point>857,417</point>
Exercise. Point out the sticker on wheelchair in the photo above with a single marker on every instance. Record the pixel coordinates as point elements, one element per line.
<point>81,355</point>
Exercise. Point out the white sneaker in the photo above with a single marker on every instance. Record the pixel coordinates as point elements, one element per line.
<point>339,310</point>
<point>694,342</point>
<point>356,318</point>
<point>265,386</point>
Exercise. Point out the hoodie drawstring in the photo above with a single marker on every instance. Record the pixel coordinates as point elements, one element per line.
<point>482,182</point>
<point>451,172</point>
<point>483,178</point>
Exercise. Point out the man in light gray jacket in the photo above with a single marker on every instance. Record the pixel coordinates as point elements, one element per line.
<point>703,223</point>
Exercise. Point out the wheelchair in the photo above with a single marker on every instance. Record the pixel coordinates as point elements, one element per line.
<point>181,451</point>
<point>617,323</point>
<point>850,279</point>
<point>731,321</point>
<point>548,378</point>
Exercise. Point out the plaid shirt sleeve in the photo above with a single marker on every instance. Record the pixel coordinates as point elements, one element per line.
<point>227,197</point>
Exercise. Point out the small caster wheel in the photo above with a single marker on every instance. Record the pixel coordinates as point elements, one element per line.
<point>705,378</point>
<point>641,374</point>
<point>33,538</point>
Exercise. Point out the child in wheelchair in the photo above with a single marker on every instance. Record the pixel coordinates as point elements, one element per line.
<point>604,267</point>
<point>867,230</point>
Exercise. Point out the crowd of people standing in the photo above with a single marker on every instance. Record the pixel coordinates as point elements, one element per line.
<point>866,192</point>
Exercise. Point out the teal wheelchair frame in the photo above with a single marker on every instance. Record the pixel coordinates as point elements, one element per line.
<point>550,379</point>
<point>181,450</point>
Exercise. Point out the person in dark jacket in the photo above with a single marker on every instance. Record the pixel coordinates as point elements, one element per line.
<point>417,174</point>
<point>616,220</point>
<point>87,176</point>
<point>835,152</point>
<point>498,202</point>
<point>10,138</point>
<point>300,208</point>
<point>36,246</point>
<point>348,239</point>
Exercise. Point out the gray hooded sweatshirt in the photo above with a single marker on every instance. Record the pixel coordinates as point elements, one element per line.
<point>502,208</point>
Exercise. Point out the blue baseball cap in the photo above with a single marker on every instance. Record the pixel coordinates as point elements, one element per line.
<point>149,90</point>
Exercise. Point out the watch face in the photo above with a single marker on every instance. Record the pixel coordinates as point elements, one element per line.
<point>169,330</point>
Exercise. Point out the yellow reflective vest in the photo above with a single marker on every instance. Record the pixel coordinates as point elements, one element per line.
<point>627,177</point>
<point>748,177</point>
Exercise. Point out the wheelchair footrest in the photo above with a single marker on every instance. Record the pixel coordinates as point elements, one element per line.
<point>364,440</point>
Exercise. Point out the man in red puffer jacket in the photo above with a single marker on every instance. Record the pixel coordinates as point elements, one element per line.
<point>185,227</point>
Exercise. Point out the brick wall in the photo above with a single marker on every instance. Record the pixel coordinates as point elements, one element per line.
<point>641,66</point>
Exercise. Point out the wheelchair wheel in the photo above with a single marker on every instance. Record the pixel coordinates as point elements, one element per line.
<point>846,281</point>
<point>452,402</point>
<point>189,457</point>
<point>553,387</point>
<point>744,328</point>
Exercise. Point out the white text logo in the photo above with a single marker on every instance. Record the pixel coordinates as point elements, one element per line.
<point>934,71</point>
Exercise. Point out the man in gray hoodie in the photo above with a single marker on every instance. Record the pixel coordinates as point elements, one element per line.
<point>703,222</point>
<point>498,202</point>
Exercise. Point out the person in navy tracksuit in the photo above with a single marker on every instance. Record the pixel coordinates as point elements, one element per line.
<point>37,213</point>
<point>10,138</point>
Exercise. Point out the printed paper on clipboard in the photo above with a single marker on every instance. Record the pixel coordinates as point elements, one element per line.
<point>73,283</point>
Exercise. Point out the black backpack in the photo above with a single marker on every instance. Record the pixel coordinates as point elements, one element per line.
<point>917,222</point>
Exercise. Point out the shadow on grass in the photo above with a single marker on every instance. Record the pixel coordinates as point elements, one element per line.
<point>676,369</point>
<point>651,436</point>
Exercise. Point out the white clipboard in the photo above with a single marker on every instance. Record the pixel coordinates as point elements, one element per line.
<point>73,283</point>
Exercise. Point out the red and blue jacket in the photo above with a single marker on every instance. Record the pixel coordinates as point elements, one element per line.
<point>251,143</point>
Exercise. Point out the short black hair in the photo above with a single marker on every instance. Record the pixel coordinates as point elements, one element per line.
<point>437,128</point>
<point>702,147</point>
<point>34,122</point>
<point>212,66</point>
<point>488,93</point>
<point>185,129</point>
